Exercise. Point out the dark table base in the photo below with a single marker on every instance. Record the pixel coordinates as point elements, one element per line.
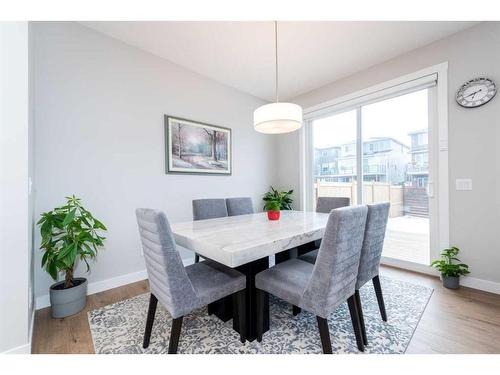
<point>250,270</point>
<point>223,308</point>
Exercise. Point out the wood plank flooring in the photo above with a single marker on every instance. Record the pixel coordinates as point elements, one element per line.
<point>463,321</point>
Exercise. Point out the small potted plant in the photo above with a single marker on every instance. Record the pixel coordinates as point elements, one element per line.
<point>273,210</point>
<point>69,233</point>
<point>275,201</point>
<point>450,272</point>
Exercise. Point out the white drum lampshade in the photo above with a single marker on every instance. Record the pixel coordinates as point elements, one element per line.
<point>277,118</point>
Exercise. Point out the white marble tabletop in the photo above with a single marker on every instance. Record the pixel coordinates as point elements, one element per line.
<point>236,240</point>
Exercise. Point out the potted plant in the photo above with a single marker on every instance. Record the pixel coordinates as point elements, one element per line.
<point>273,210</point>
<point>450,272</point>
<point>276,201</point>
<point>69,233</point>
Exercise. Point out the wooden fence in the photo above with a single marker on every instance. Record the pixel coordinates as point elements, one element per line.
<point>373,192</point>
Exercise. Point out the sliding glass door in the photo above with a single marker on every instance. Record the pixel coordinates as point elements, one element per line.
<point>379,152</point>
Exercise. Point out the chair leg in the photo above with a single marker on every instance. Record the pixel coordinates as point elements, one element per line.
<point>324,333</point>
<point>351,302</point>
<point>174,335</point>
<point>239,302</point>
<point>296,310</point>
<point>361,317</point>
<point>380,297</point>
<point>259,297</point>
<point>196,258</point>
<point>153,302</point>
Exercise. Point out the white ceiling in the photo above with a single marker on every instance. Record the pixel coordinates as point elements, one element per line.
<point>311,54</point>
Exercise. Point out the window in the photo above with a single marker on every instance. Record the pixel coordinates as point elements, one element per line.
<point>338,134</point>
<point>422,138</point>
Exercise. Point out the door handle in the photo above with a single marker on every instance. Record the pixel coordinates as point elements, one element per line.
<point>430,189</point>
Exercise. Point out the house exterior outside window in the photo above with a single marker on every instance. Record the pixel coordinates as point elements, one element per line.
<point>418,169</point>
<point>384,160</point>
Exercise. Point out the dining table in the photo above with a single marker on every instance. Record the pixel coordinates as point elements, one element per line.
<point>246,243</point>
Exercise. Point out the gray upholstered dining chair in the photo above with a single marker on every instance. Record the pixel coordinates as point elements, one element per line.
<point>204,209</point>
<point>322,287</point>
<point>239,206</point>
<point>371,252</point>
<point>326,204</point>
<point>182,289</point>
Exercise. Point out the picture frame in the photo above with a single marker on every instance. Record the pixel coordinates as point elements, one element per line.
<point>194,147</point>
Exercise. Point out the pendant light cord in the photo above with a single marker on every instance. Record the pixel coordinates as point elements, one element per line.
<point>276,55</point>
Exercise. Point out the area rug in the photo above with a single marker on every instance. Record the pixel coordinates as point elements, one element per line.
<point>119,328</point>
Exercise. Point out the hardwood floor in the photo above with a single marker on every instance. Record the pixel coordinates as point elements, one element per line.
<point>72,334</point>
<point>463,321</point>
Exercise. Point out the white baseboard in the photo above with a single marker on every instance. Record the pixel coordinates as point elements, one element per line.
<point>467,281</point>
<point>23,349</point>
<point>411,266</point>
<point>100,286</point>
<point>484,285</point>
<point>42,302</point>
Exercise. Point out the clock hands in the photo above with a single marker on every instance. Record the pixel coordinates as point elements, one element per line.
<point>474,94</point>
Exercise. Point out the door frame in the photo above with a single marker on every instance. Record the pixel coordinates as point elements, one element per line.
<point>438,160</point>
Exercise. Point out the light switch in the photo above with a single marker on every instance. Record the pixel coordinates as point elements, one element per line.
<point>463,184</point>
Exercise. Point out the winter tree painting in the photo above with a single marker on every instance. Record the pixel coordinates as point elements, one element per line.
<point>194,147</point>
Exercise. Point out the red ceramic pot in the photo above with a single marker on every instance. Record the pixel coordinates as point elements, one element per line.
<point>273,215</point>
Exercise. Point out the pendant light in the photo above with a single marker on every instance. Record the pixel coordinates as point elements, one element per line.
<point>277,118</point>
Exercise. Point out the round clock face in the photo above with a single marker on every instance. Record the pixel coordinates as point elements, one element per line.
<point>476,92</point>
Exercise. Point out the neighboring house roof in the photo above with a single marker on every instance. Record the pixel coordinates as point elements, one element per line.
<point>375,139</point>
<point>369,140</point>
<point>421,131</point>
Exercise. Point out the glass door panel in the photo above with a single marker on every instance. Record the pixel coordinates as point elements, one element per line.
<point>396,169</point>
<point>334,160</point>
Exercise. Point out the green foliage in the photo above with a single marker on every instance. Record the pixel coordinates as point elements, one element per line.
<point>445,264</point>
<point>276,200</point>
<point>69,233</point>
<point>272,206</point>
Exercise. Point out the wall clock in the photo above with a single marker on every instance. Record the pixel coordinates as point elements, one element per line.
<point>476,92</point>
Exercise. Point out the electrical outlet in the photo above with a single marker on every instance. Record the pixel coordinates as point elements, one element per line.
<point>463,184</point>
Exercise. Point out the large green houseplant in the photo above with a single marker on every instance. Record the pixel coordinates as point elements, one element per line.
<point>277,200</point>
<point>450,271</point>
<point>69,234</point>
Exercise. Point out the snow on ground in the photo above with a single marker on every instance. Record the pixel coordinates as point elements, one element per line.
<point>194,161</point>
<point>407,238</point>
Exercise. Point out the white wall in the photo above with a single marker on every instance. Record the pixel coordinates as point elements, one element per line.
<point>15,314</point>
<point>99,107</point>
<point>474,136</point>
<point>31,178</point>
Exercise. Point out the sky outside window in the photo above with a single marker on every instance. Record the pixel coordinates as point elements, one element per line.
<point>393,118</point>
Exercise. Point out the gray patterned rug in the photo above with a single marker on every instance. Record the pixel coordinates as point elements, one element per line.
<point>119,328</point>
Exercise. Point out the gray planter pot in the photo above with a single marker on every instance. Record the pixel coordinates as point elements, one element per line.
<point>451,282</point>
<point>66,302</point>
